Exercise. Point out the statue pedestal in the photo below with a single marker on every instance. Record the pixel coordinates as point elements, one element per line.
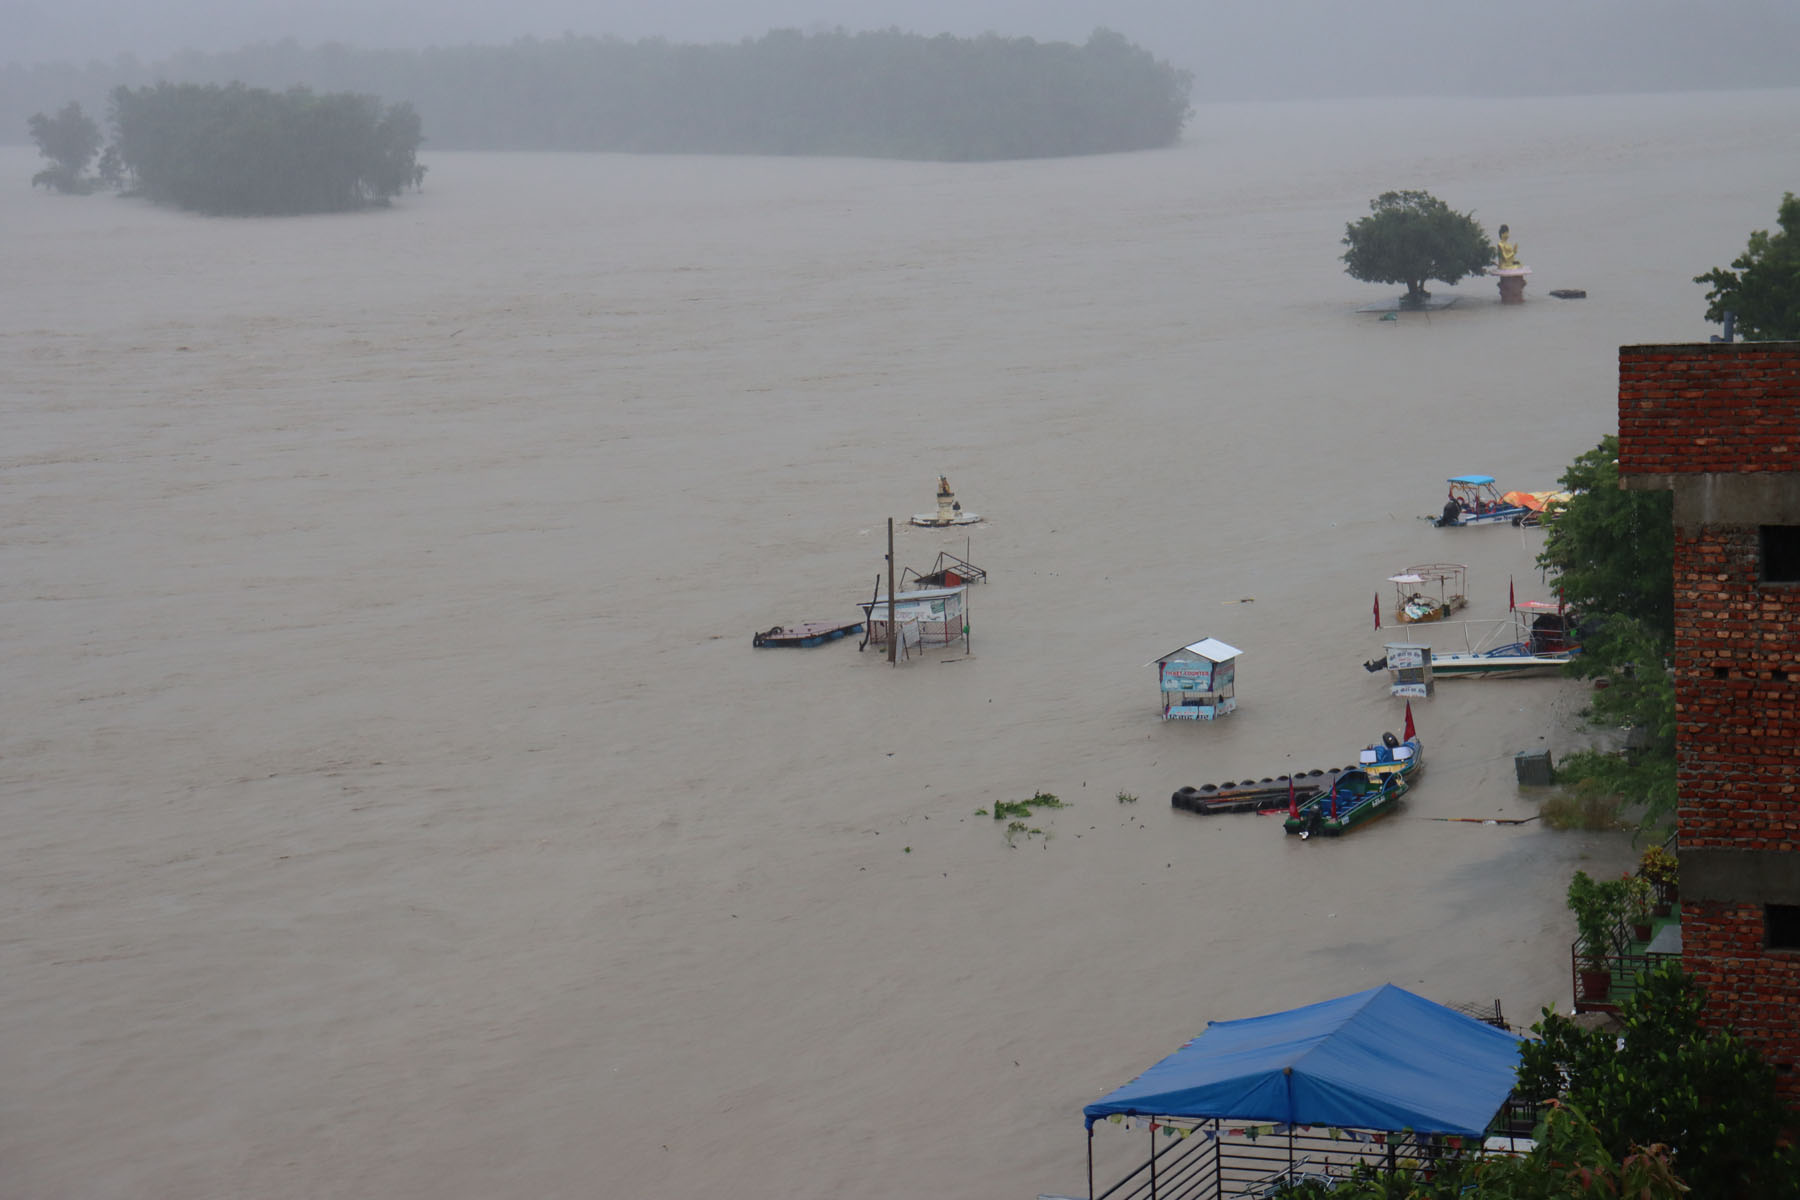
<point>1512,284</point>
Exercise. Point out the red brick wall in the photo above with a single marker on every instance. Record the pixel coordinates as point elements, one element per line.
<point>1729,409</point>
<point>1738,725</point>
<point>1748,988</point>
<point>1721,408</point>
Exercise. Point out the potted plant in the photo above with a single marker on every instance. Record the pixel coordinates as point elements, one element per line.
<point>1662,870</point>
<point>1638,896</point>
<point>1597,905</point>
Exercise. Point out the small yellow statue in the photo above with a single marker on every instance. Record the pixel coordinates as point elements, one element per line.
<point>1506,252</point>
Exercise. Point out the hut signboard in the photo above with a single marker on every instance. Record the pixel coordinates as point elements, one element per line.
<point>1409,670</point>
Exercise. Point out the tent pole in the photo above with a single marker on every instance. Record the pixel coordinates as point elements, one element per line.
<point>1090,1162</point>
<point>1152,1125</point>
<point>1288,1078</point>
<point>1218,1160</point>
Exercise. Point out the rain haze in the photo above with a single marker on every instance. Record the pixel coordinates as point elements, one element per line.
<point>396,804</point>
<point>1238,50</point>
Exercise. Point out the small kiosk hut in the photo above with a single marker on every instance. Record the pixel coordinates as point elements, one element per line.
<point>926,618</point>
<point>1198,681</point>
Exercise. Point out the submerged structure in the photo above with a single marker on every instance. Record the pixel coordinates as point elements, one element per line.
<point>1198,681</point>
<point>1378,1078</point>
<point>949,509</point>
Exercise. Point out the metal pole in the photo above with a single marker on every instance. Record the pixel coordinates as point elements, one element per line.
<point>1090,1162</point>
<point>1218,1160</point>
<point>1152,1124</point>
<point>893,632</point>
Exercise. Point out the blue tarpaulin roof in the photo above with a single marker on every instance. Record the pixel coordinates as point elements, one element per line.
<point>1380,1059</point>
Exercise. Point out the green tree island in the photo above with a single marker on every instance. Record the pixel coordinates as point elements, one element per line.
<point>1413,237</point>
<point>1763,286</point>
<point>251,152</point>
<point>69,140</point>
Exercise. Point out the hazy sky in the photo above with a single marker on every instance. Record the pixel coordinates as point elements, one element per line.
<point>1245,48</point>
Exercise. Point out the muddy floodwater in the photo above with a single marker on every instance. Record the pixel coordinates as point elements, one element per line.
<point>395,806</point>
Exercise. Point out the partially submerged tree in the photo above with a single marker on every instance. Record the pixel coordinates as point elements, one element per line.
<point>1612,553</point>
<point>1413,237</point>
<point>250,151</point>
<point>70,139</point>
<point>1763,286</point>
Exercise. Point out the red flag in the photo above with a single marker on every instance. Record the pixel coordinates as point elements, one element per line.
<point>1511,602</point>
<point>1378,610</point>
<point>1293,809</point>
<point>1411,733</point>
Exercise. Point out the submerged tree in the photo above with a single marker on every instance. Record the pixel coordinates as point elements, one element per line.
<point>1763,286</point>
<point>69,140</point>
<point>1413,237</point>
<point>249,151</point>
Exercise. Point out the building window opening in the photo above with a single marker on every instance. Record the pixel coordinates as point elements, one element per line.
<point>1780,553</point>
<point>1781,926</point>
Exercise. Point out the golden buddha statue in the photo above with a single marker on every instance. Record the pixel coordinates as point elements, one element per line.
<point>1506,252</point>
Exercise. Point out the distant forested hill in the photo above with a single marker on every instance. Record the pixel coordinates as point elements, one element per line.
<point>887,94</point>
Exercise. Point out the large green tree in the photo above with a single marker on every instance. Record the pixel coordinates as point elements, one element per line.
<point>1665,1079</point>
<point>1763,286</point>
<point>70,139</point>
<point>1413,237</point>
<point>1612,553</point>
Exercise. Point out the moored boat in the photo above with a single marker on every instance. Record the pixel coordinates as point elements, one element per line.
<point>1385,771</point>
<point>1474,500</point>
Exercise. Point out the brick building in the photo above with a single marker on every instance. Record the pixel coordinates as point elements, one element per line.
<point>1719,425</point>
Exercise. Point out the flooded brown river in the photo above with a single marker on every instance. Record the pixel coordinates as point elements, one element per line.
<point>394,803</point>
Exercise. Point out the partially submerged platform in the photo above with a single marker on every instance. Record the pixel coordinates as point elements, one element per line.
<point>1399,305</point>
<point>806,633</point>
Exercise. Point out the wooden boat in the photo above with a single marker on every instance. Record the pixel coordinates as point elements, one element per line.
<point>1474,500</point>
<point>1429,591</point>
<point>1503,661</point>
<point>806,633</point>
<point>1364,793</point>
<point>1545,638</point>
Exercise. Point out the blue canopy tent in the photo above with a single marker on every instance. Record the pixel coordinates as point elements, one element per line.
<point>1383,1059</point>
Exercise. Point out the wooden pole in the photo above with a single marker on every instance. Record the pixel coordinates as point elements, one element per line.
<point>893,631</point>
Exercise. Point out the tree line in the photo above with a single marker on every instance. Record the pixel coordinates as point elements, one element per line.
<point>883,94</point>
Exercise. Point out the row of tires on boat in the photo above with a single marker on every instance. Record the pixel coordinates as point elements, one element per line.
<point>1329,802</point>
